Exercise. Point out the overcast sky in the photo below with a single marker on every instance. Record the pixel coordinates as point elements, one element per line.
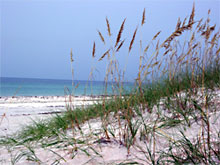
<point>37,35</point>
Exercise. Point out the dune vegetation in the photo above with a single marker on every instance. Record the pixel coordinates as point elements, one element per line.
<point>171,116</point>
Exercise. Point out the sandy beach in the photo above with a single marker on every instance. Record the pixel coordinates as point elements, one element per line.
<point>16,112</point>
<point>110,151</point>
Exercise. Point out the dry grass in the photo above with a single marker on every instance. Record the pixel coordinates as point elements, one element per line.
<point>132,40</point>
<point>120,33</point>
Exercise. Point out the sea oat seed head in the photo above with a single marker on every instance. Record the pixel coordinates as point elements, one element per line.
<point>191,19</point>
<point>143,18</point>
<point>133,38</point>
<point>107,52</point>
<point>156,35</point>
<point>101,36</point>
<point>122,42</point>
<point>71,55</point>
<point>120,32</point>
<point>178,24</point>
<point>93,50</point>
<point>184,21</point>
<point>108,27</point>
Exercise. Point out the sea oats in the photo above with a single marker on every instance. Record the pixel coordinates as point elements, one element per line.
<point>181,58</point>
<point>166,52</point>
<point>191,19</point>
<point>146,49</point>
<point>178,24</point>
<point>156,35</point>
<point>199,23</point>
<point>108,27</point>
<point>212,28</point>
<point>120,46</point>
<point>143,18</point>
<point>213,39</point>
<point>177,33</point>
<point>195,59</point>
<point>71,55</point>
<point>192,37</point>
<point>154,64</point>
<point>207,33</point>
<point>157,46</point>
<point>120,32</point>
<point>93,50</point>
<point>184,21</point>
<point>160,65</point>
<point>133,38</point>
<point>104,54</point>
<point>101,36</point>
<point>204,26</point>
<point>194,46</point>
<point>217,52</point>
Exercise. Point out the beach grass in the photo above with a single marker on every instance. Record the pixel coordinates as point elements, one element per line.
<point>176,91</point>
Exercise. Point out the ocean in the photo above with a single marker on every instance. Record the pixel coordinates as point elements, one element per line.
<point>53,87</point>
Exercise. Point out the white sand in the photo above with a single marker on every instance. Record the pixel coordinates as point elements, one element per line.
<point>18,111</point>
<point>112,152</point>
<point>40,104</point>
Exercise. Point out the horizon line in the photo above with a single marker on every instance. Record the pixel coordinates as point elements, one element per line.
<point>58,79</point>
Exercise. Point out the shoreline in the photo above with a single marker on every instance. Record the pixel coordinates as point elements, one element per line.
<point>44,96</point>
<point>5,99</point>
<point>56,96</point>
<point>33,104</point>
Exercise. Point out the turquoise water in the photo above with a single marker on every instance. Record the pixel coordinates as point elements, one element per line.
<point>52,87</point>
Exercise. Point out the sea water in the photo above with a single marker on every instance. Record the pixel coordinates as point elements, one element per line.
<point>53,87</point>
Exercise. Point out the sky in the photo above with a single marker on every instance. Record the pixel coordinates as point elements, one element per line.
<point>37,35</point>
